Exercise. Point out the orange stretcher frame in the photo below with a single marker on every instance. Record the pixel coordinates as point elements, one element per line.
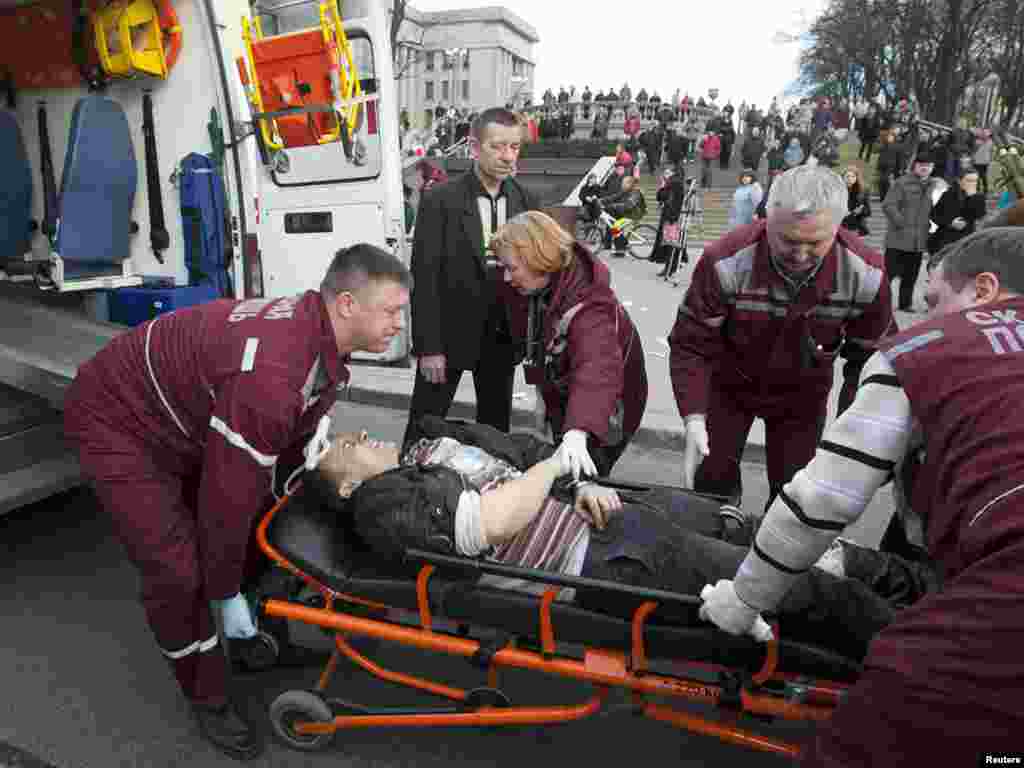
<point>604,668</point>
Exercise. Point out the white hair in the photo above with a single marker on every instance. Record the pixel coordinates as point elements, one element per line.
<point>809,189</point>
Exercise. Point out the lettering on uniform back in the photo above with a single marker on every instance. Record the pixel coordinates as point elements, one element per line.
<point>283,309</point>
<point>246,309</point>
<point>280,309</point>
<point>1001,328</point>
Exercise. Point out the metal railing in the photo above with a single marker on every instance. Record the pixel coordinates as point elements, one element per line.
<point>935,128</point>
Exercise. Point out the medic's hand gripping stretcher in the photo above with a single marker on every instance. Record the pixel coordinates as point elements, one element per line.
<point>354,595</point>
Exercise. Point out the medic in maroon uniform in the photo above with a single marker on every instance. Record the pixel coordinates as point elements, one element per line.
<point>945,680</point>
<point>179,425</point>
<point>768,310</point>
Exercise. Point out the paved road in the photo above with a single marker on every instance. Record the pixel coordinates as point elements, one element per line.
<point>84,687</point>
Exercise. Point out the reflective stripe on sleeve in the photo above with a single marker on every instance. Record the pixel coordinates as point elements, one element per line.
<point>249,355</point>
<point>156,385</point>
<point>199,646</point>
<point>238,441</point>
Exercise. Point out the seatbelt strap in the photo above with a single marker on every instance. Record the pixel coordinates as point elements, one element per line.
<point>93,75</point>
<point>8,85</point>
<point>49,180</point>
<point>158,235</point>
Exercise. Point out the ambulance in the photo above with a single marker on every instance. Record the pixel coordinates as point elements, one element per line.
<point>162,153</point>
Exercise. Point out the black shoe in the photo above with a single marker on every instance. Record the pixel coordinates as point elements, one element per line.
<point>223,728</point>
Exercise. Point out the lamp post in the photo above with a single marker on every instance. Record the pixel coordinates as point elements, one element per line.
<point>454,55</point>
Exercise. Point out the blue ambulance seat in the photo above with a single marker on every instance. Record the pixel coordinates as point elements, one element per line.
<point>15,191</point>
<point>97,190</point>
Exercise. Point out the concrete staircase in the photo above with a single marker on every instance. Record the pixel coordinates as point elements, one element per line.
<point>717,202</point>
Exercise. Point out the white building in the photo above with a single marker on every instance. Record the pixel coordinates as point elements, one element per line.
<point>472,59</point>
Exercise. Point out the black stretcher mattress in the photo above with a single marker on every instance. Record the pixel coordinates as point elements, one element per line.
<point>318,545</point>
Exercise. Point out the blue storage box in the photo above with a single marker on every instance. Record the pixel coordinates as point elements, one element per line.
<point>131,306</point>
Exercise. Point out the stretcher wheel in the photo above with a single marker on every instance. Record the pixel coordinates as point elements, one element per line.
<point>259,652</point>
<point>293,707</point>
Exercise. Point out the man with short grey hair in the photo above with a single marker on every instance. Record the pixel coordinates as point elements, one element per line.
<point>769,308</point>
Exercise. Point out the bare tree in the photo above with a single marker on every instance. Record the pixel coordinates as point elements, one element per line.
<point>931,48</point>
<point>846,55</point>
<point>960,22</point>
<point>1005,32</point>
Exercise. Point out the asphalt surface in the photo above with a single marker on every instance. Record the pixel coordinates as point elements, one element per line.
<point>85,686</point>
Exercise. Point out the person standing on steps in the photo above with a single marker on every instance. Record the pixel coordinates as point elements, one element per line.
<point>908,208</point>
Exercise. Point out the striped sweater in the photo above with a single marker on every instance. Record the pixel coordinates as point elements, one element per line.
<point>856,456</point>
<point>556,539</point>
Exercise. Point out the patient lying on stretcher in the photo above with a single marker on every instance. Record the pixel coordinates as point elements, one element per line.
<point>451,497</point>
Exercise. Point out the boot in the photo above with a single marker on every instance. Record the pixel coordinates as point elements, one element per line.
<point>222,727</point>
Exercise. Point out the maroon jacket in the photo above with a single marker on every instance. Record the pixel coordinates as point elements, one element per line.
<point>600,369</point>
<point>964,377</point>
<point>220,389</point>
<point>739,323</point>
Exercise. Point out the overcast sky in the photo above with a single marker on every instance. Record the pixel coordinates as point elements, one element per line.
<point>661,45</point>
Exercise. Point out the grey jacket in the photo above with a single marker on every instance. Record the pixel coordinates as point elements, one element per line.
<point>908,208</point>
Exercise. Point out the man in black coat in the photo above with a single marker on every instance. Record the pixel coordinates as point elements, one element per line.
<point>458,321</point>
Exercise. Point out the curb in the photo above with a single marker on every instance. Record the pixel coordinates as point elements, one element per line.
<point>650,437</point>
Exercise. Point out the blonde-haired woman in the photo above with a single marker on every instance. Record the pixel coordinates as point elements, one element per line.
<point>583,351</point>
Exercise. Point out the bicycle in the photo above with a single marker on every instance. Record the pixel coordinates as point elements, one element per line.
<point>639,237</point>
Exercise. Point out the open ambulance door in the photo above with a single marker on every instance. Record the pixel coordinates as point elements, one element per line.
<point>321,97</point>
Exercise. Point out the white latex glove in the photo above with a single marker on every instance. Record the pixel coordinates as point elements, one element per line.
<point>575,457</point>
<point>695,449</point>
<point>959,223</point>
<point>319,444</point>
<point>236,618</point>
<point>723,608</point>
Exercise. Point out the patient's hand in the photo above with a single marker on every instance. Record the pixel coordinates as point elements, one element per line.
<point>596,504</point>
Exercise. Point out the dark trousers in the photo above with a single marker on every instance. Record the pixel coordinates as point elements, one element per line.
<point>705,174</point>
<point>982,177</point>
<point>905,265</point>
<point>723,159</point>
<point>153,514</point>
<point>675,540</point>
<point>492,380</point>
<point>884,182</point>
<point>792,432</point>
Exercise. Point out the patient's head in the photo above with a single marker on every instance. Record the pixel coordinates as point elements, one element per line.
<point>354,458</point>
